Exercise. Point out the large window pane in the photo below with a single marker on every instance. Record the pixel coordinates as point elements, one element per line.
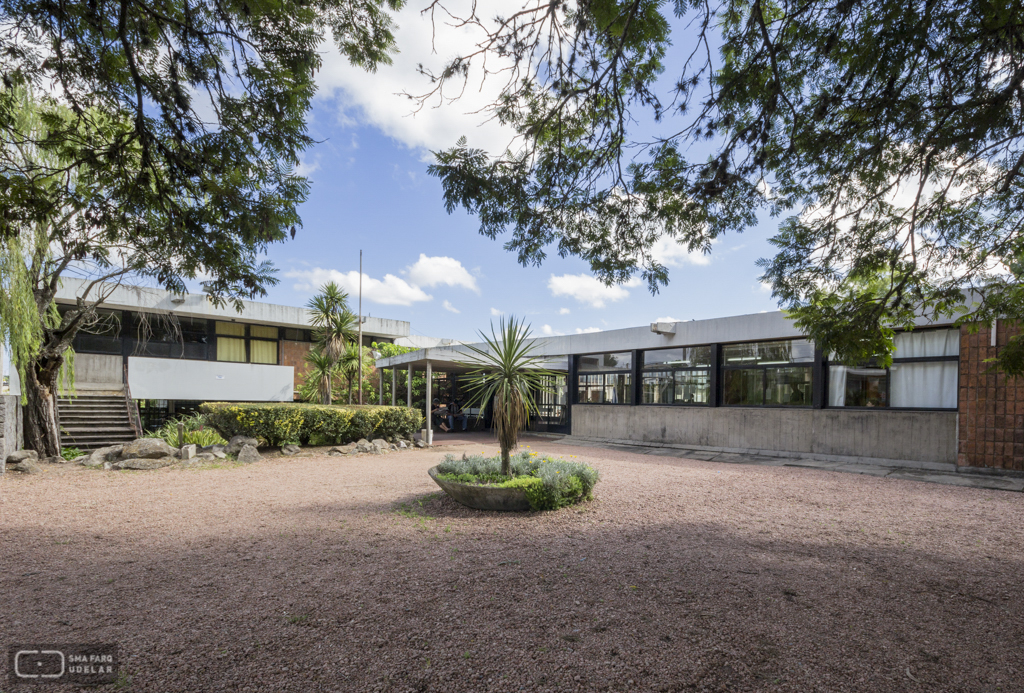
<point>687,357</point>
<point>765,353</point>
<point>788,386</point>
<point>912,345</point>
<point>856,387</point>
<point>230,349</point>
<point>925,385</point>
<point>692,387</point>
<point>263,332</point>
<point>262,352</point>
<point>617,389</point>
<point>658,387</point>
<point>743,386</point>
<point>591,389</point>
<point>231,329</point>
<point>621,361</point>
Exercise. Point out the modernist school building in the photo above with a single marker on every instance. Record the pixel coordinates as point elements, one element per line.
<point>753,383</point>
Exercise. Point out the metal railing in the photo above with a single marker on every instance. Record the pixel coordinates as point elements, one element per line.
<point>133,408</point>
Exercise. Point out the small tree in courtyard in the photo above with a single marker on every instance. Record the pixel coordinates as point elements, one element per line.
<point>507,373</point>
<point>334,329</point>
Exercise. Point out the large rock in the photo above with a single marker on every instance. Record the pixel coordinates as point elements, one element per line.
<point>218,455</point>
<point>101,455</point>
<point>381,444</point>
<point>249,453</point>
<point>27,466</point>
<point>290,450</point>
<point>343,449</point>
<point>402,445</point>
<point>420,444</point>
<point>206,456</point>
<point>21,456</point>
<point>236,444</point>
<point>145,463</point>
<point>147,449</point>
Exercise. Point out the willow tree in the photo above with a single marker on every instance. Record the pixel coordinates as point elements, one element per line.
<point>887,137</point>
<point>163,150</point>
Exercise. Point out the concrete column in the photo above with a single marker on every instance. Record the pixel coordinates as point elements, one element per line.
<point>428,404</point>
<point>381,381</point>
<point>394,382</point>
<point>408,389</point>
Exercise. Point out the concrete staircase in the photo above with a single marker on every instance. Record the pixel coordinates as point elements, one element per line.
<point>88,422</point>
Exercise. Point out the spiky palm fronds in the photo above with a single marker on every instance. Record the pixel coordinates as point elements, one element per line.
<point>507,372</point>
<point>321,375</point>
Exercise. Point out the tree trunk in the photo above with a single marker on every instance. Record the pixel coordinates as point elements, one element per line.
<point>506,462</point>
<point>350,390</point>
<point>42,422</point>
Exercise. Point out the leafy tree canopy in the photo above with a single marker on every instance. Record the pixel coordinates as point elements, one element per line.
<point>886,136</point>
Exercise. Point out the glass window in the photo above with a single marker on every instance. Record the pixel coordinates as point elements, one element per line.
<point>927,343</point>
<point>692,387</point>
<point>788,386</point>
<point>743,386</point>
<point>262,332</point>
<point>617,389</point>
<point>622,361</point>
<point>230,349</point>
<point>591,389</point>
<point>686,357</point>
<point>658,387</point>
<point>295,335</point>
<point>768,353</point>
<point>261,351</point>
<point>857,387</point>
<point>231,329</point>
<point>928,385</point>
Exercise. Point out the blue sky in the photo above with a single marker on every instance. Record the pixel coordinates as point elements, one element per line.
<point>370,191</point>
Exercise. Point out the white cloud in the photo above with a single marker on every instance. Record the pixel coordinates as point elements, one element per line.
<point>667,319</point>
<point>563,311</point>
<point>763,287</point>
<point>377,98</point>
<point>391,291</point>
<point>670,253</point>
<point>586,289</point>
<point>587,330</point>
<point>306,168</point>
<point>548,331</point>
<point>435,271</point>
<point>450,308</point>
<point>495,313</point>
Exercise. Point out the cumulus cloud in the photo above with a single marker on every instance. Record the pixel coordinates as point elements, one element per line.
<point>447,305</point>
<point>563,311</point>
<point>549,331</point>
<point>441,270</point>
<point>377,98</point>
<point>670,253</point>
<point>495,313</point>
<point>667,319</point>
<point>587,330</point>
<point>390,291</point>
<point>588,290</point>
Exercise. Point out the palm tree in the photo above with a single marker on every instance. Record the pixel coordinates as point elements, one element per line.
<point>348,367</point>
<point>507,373</point>
<point>334,328</point>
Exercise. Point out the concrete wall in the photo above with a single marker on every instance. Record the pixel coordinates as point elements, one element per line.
<point>911,436</point>
<point>213,381</point>
<point>11,434</point>
<point>98,371</point>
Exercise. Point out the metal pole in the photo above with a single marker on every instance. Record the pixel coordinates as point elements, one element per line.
<point>360,327</point>
<point>393,385</point>
<point>429,405</point>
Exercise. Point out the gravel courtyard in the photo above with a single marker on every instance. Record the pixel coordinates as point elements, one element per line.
<point>355,574</point>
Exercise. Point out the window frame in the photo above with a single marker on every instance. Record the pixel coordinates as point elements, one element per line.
<point>644,369</point>
<point>629,385</point>
<point>723,368</point>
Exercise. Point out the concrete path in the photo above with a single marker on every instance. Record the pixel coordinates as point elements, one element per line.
<point>952,478</point>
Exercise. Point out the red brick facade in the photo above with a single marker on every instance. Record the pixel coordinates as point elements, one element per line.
<point>294,354</point>
<point>991,406</point>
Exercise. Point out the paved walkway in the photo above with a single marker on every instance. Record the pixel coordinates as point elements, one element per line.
<point>952,478</point>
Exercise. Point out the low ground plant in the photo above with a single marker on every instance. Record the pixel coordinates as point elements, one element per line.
<point>70,453</point>
<point>198,431</point>
<point>549,482</point>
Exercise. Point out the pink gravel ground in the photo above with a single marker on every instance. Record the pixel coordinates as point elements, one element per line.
<point>354,574</point>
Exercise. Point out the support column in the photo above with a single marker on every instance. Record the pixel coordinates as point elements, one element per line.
<point>428,405</point>
<point>380,380</point>
<point>408,389</point>
<point>394,387</point>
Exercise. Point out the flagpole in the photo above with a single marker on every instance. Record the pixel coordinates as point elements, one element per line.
<point>360,327</point>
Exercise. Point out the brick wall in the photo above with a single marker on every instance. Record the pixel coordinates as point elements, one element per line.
<point>294,354</point>
<point>991,428</point>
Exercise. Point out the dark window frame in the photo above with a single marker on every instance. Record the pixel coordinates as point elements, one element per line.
<point>724,367</point>
<point>662,368</point>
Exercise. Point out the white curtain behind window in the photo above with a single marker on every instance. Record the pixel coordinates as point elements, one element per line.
<point>837,386</point>
<point>913,345</point>
<point>926,385</point>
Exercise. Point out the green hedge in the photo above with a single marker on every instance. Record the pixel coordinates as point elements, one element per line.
<point>311,424</point>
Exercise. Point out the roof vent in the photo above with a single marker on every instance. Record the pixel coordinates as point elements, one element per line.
<point>663,327</point>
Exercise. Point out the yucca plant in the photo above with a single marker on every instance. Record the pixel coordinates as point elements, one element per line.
<point>334,329</point>
<point>507,372</point>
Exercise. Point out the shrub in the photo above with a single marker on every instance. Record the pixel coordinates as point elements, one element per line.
<point>311,424</point>
<point>70,453</point>
<point>549,482</point>
<point>198,431</point>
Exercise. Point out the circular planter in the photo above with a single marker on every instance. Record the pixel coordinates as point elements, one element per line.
<point>483,497</point>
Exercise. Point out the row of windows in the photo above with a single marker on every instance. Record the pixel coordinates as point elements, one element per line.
<point>779,373</point>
